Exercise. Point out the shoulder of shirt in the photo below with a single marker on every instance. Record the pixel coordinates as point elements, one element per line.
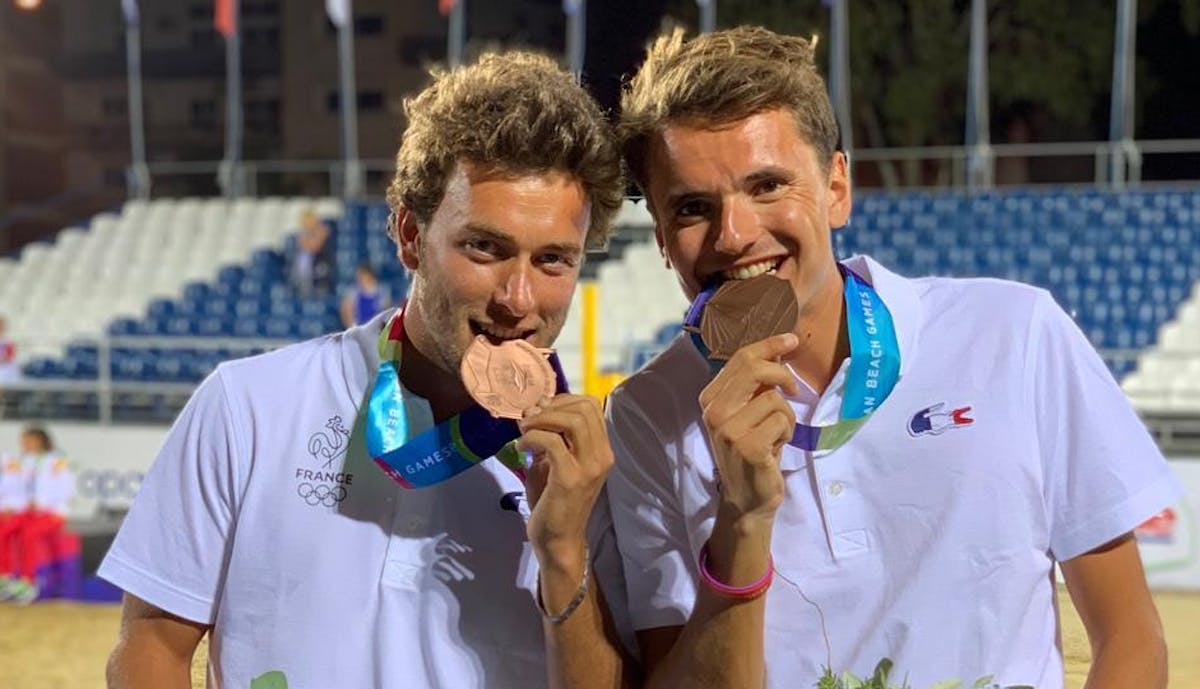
<point>297,363</point>
<point>677,371</point>
<point>999,297</point>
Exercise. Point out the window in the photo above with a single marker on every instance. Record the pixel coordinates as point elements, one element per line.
<point>370,100</point>
<point>367,101</point>
<point>202,38</point>
<point>203,114</point>
<point>260,9</point>
<point>415,50</point>
<point>369,25</point>
<point>262,114</point>
<point>261,36</point>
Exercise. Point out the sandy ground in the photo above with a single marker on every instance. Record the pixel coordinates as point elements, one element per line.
<point>64,645</point>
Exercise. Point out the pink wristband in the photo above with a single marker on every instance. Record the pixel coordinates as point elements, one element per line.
<point>749,592</point>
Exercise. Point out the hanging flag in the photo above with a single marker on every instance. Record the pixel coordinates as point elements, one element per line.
<point>339,11</point>
<point>445,7</point>
<point>223,19</point>
<point>130,9</point>
<point>571,7</point>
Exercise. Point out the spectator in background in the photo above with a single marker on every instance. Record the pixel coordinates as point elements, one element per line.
<point>366,299</point>
<point>16,482</point>
<point>30,543</point>
<point>311,272</point>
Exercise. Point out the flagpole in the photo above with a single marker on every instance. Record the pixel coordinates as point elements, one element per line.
<point>708,15</point>
<point>352,178</point>
<point>978,138</point>
<point>455,39</point>
<point>576,33</point>
<point>839,61</point>
<point>229,175</point>
<point>1123,150</point>
<point>139,173</point>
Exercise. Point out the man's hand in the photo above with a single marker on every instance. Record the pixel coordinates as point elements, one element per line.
<point>571,458</point>
<point>748,423</point>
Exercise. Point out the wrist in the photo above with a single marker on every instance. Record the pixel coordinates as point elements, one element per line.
<point>739,548</point>
<point>564,555</point>
<point>747,592</point>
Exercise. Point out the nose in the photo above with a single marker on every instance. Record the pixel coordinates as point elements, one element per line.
<point>515,291</point>
<point>737,227</point>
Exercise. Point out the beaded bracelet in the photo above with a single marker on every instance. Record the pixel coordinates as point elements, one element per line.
<point>748,592</point>
<point>575,600</point>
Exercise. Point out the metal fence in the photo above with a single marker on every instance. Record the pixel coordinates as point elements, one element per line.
<point>1103,163</point>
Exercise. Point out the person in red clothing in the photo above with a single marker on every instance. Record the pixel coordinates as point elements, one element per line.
<point>16,484</point>
<point>30,543</point>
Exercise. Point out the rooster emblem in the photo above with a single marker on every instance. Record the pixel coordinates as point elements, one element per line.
<point>329,446</point>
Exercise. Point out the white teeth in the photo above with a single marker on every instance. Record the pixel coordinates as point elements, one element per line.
<point>752,270</point>
<point>500,334</point>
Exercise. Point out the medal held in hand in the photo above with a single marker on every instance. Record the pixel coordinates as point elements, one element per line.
<point>509,378</point>
<point>726,317</point>
<point>741,312</point>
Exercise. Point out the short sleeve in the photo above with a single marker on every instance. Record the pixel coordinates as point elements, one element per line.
<point>172,548</point>
<point>1103,473</point>
<point>652,530</point>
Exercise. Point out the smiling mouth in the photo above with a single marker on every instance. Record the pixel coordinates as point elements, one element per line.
<point>767,266</point>
<point>498,335</point>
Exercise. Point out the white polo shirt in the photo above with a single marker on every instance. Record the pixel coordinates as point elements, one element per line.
<point>264,516</point>
<point>53,483</point>
<point>930,537</point>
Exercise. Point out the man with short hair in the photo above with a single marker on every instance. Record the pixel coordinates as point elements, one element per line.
<point>264,521</point>
<point>906,460</point>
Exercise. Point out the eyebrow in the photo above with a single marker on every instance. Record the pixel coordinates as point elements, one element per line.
<point>769,172</point>
<point>499,235</point>
<point>674,199</point>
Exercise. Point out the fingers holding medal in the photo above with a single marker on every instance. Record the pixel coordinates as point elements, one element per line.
<point>564,434</point>
<point>749,323</point>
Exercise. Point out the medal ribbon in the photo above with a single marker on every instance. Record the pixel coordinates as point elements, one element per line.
<point>874,361</point>
<point>447,449</point>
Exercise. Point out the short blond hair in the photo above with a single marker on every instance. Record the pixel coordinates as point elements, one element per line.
<point>513,112</point>
<point>723,77</point>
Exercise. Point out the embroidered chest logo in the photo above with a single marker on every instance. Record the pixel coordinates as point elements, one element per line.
<point>325,487</point>
<point>329,446</point>
<point>934,421</point>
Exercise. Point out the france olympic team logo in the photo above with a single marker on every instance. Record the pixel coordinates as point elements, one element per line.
<point>321,494</point>
<point>934,421</point>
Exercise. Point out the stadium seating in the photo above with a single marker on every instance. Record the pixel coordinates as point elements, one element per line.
<point>1122,264</point>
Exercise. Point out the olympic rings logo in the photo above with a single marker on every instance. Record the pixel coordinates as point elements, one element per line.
<point>108,485</point>
<point>321,494</point>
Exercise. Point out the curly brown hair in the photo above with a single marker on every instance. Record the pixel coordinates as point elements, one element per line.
<point>515,112</point>
<point>722,77</point>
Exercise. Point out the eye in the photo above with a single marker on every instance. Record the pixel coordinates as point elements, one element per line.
<point>767,187</point>
<point>556,261</point>
<point>483,246</point>
<point>691,209</point>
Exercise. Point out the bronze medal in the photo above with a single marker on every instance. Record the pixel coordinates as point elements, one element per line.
<point>507,379</point>
<point>742,312</point>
